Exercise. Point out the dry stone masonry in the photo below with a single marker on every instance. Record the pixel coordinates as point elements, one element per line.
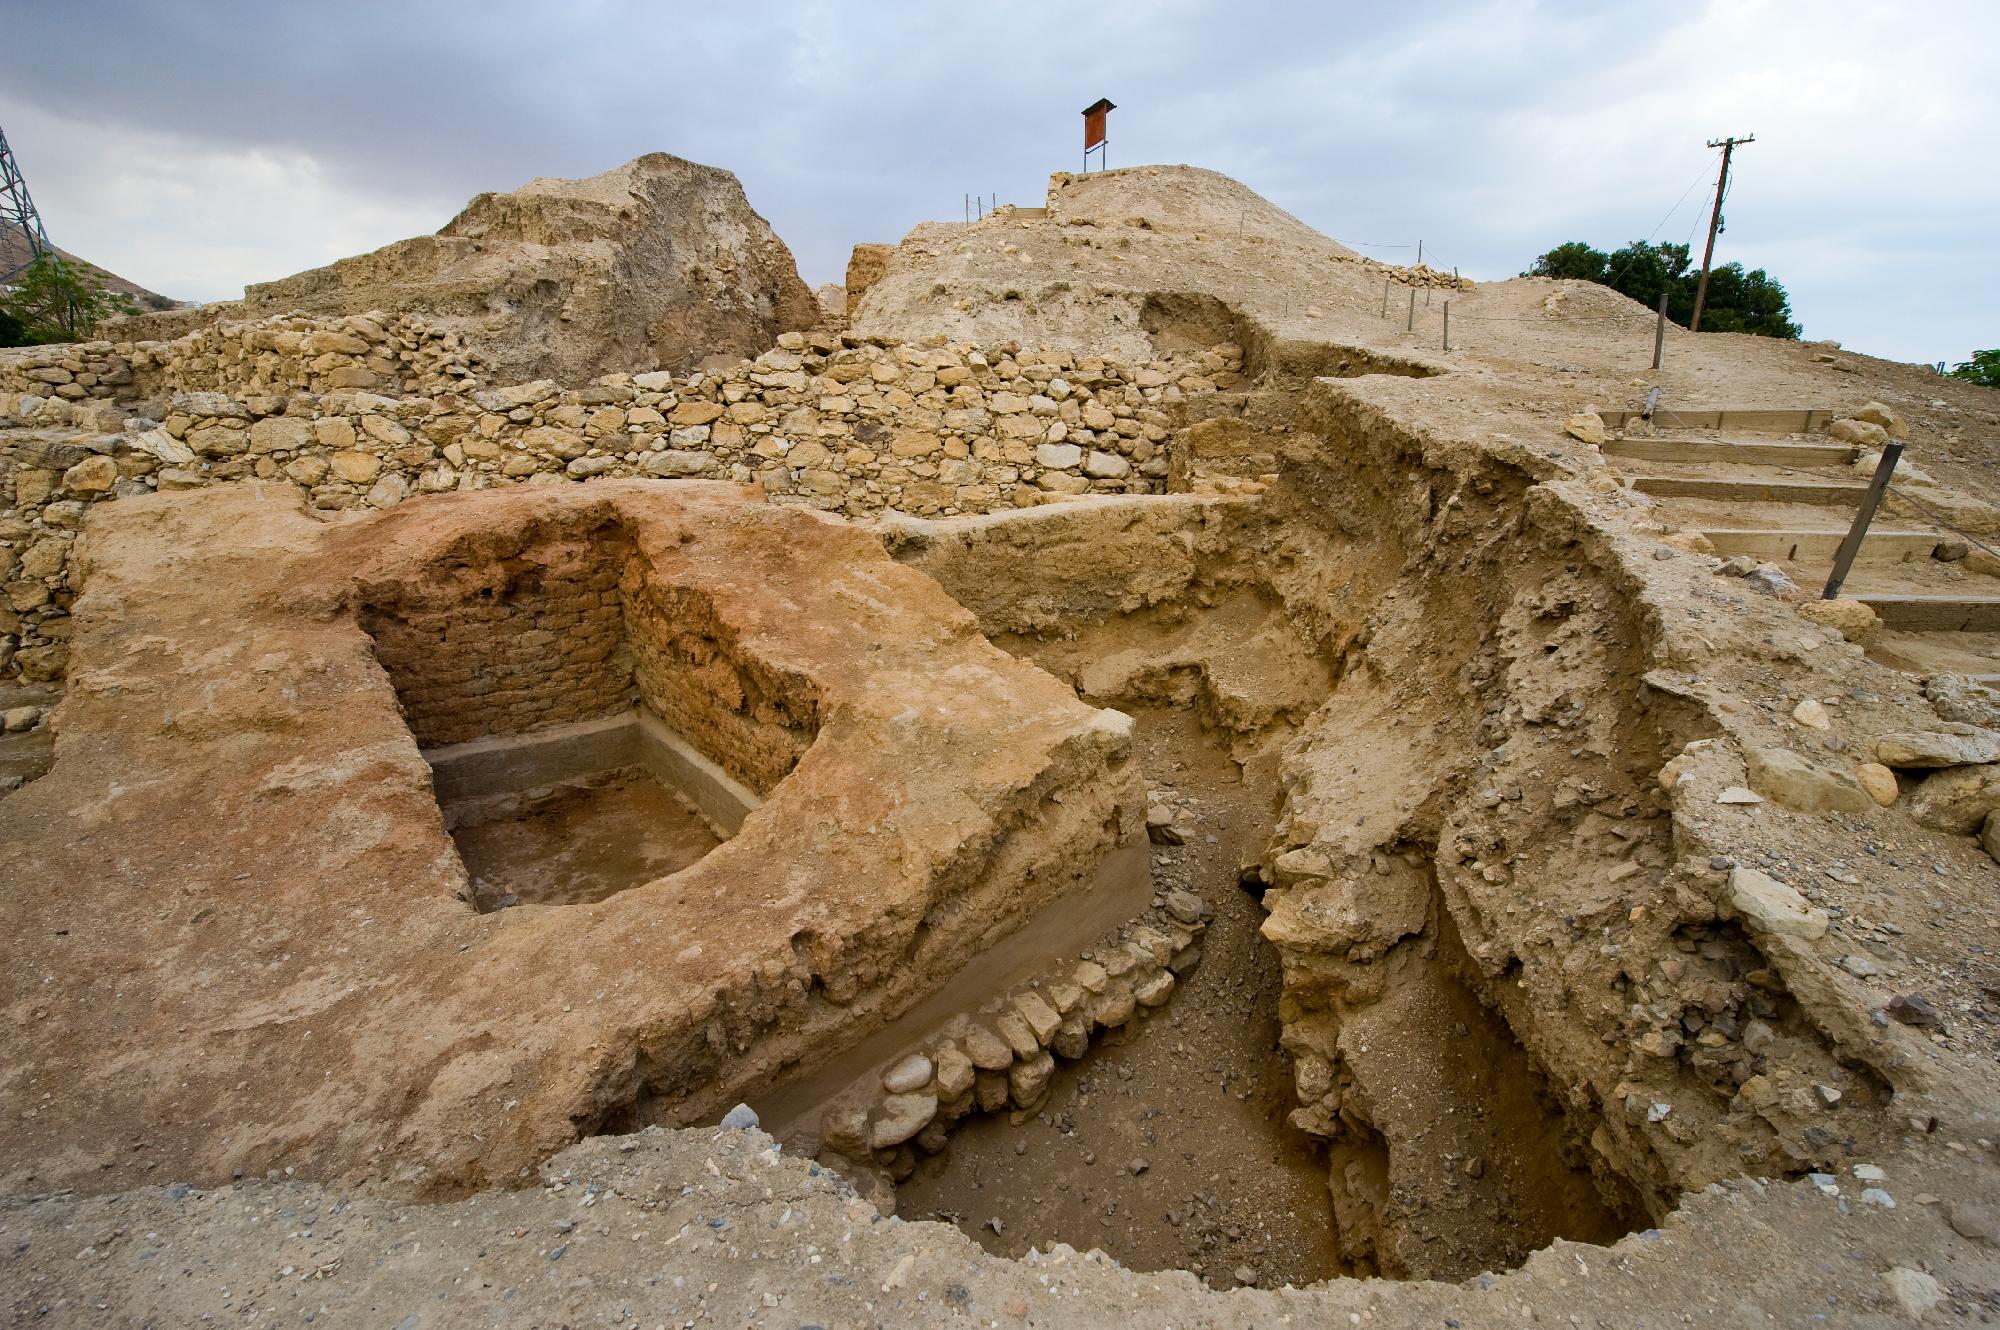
<point>364,411</point>
<point>1002,1057</point>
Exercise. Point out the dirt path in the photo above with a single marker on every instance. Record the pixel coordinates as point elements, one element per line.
<point>1170,1148</point>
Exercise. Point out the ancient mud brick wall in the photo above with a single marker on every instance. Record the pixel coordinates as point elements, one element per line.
<point>522,643</point>
<point>749,719</point>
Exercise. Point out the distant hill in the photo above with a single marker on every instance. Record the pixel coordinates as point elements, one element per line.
<point>14,251</point>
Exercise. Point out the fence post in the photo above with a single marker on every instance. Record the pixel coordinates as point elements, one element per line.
<point>1447,325</point>
<point>1411,326</point>
<point>1385,298</point>
<point>1660,331</point>
<point>1856,533</point>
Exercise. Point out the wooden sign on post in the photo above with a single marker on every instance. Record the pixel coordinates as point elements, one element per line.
<point>1093,130</point>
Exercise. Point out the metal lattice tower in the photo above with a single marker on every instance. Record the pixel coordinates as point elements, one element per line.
<point>17,211</point>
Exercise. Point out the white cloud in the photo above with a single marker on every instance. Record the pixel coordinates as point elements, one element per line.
<point>192,220</point>
<point>198,146</point>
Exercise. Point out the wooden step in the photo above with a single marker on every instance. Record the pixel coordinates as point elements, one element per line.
<point>1819,547</point>
<point>1827,493</point>
<point>1751,421</point>
<point>1731,453</point>
<point>1935,614</point>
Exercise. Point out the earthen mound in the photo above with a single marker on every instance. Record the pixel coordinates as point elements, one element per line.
<point>657,264</point>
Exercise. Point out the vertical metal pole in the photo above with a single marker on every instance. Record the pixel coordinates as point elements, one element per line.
<point>1385,298</point>
<point>1411,326</point>
<point>1420,253</point>
<point>1859,531</point>
<point>1447,325</point>
<point>1660,331</point>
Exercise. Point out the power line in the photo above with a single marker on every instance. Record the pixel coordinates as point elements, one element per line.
<point>1703,175</point>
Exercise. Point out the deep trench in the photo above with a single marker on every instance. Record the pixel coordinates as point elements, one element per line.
<point>1166,1145</point>
<point>1171,1144</point>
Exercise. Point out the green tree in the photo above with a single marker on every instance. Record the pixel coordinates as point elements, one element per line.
<point>1983,369</point>
<point>11,331</point>
<point>52,301</point>
<point>1574,261</point>
<point>1738,301</point>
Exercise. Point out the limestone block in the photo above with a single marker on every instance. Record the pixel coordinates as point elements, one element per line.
<point>900,1117</point>
<point>677,462</point>
<point>1587,427</point>
<point>1877,414</point>
<point>281,434</point>
<point>384,431</point>
<point>955,1072</point>
<point>1114,1006</point>
<point>1850,618</point>
<point>93,475</point>
<point>990,1090</point>
<point>1878,781</point>
<point>1769,906</point>
<point>908,1075</point>
<point>1961,698</point>
<point>33,486</point>
<point>1040,1016</point>
<point>1782,775</point>
<point>1020,1036</point>
<point>1862,433</point>
<point>218,440</point>
<point>356,468</point>
<point>1956,799</point>
<point>1961,745</point>
<point>1028,1080</point>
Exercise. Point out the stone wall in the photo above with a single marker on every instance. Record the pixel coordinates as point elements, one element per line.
<point>824,420</point>
<point>269,357</point>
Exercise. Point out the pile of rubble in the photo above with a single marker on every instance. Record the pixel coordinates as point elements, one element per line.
<point>1418,274</point>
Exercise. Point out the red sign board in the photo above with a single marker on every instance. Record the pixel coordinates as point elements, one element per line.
<point>1093,122</point>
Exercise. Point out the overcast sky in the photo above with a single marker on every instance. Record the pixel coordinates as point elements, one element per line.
<point>193,147</point>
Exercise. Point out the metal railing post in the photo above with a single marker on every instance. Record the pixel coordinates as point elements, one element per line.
<point>1660,331</point>
<point>1851,546</point>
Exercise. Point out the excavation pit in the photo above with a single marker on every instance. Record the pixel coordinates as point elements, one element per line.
<point>758,794</point>
<point>579,812</point>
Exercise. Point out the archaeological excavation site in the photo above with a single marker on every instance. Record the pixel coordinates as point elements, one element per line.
<point>1089,776</point>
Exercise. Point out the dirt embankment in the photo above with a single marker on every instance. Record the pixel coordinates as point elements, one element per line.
<point>657,264</point>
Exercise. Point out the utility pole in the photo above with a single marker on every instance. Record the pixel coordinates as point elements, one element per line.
<point>1728,146</point>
